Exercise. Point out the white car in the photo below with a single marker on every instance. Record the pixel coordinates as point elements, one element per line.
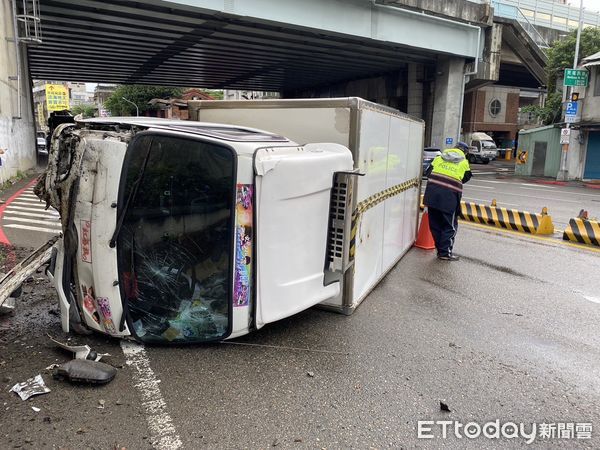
<point>41,144</point>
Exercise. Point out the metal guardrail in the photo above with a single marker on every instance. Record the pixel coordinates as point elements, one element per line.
<point>545,13</point>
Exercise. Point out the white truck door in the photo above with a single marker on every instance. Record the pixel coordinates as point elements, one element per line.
<point>293,192</point>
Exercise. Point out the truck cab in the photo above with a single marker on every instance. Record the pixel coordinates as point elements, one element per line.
<point>182,232</point>
<point>482,148</point>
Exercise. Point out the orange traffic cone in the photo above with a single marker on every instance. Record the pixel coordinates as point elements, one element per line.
<point>424,238</point>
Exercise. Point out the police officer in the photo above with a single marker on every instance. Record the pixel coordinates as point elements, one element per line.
<point>446,176</point>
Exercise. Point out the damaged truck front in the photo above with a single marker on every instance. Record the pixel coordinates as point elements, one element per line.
<point>188,232</point>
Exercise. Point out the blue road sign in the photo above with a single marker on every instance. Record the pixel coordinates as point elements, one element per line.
<point>449,141</point>
<point>571,111</point>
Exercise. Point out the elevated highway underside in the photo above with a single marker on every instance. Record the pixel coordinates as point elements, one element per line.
<point>214,44</point>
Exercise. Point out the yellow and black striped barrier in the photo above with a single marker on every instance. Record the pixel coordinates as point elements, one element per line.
<point>509,219</point>
<point>372,201</point>
<point>583,231</point>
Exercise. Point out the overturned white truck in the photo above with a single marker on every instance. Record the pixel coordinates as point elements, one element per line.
<point>186,231</point>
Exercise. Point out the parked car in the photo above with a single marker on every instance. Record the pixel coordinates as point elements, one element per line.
<point>429,153</point>
<point>42,149</point>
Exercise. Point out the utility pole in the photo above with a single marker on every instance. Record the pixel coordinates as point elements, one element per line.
<point>563,173</point>
<point>137,110</point>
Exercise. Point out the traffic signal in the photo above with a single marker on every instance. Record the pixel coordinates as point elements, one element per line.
<point>574,96</point>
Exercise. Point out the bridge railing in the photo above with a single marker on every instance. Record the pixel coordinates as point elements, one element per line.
<point>546,13</point>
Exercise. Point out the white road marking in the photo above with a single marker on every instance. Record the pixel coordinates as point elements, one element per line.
<point>37,201</point>
<point>26,227</point>
<point>592,299</point>
<point>492,181</point>
<point>519,194</point>
<point>31,196</point>
<point>475,186</point>
<point>27,203</point>
<point>9,212</point>
<point>162,431</point>
<point>489,201</point>
<point>27,220</point>
<point>37,210</point>
<point>538,186</point>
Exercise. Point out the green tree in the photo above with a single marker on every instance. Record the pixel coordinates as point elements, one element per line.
<point>217,94</point>
<point>86,109</point>
<point>560,57</point>
<point>138,94</point>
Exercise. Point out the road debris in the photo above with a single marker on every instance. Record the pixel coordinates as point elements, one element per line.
<point>85,371</point>
<point>444,407</point>
<point>310,374</point>
<point>36,409</point>
<point>80,351</point>
<point>33,386</point>
<point>101,404</point>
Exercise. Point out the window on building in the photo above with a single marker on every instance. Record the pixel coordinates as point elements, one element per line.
<point>495,107</point>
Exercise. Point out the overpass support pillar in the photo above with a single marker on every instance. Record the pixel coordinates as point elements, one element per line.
<point>414,103</point>
<point>447,100</point>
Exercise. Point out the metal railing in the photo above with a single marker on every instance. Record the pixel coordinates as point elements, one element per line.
<point>546,13</point>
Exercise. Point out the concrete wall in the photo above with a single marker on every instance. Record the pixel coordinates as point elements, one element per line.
<point>17,135</point>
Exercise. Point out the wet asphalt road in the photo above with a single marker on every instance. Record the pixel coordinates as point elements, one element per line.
<point>509,333</point>
<point>493,181</point>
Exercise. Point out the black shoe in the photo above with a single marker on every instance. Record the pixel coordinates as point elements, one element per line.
<point>449,258</point>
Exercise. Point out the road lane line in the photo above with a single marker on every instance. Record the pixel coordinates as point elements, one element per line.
<point>163,433</point>
<point>557,241</point>
<point>475,186</point>
<point>32,210</point>
<point>491,181</point>
<point>518,194</point>
<point>39,215</point>
<point>26,227</point>
<point>538,185</point>
<point>489,201</point>
<point>28,203</point>
<point>27,220</point>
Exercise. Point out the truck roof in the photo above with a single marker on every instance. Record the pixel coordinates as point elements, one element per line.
<point>214,130</point>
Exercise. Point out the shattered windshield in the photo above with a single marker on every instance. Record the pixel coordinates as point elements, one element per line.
<point>174,248</point>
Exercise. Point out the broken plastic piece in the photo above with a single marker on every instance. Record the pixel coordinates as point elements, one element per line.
<point>33,386</point>
<point>85,371</point>
<point>80,351</point>
<point>8,306</point>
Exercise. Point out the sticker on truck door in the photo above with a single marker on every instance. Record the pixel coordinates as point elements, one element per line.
<point>243,246</point>
<point>86,246</point>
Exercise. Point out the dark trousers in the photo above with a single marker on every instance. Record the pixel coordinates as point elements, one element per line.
<point>443,227</point>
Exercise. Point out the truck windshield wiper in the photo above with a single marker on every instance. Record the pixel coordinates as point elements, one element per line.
<point>130,197</point>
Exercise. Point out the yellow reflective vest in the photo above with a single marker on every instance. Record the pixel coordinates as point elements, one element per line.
<point>452,163</point>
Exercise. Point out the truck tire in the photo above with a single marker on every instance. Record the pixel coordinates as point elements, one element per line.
<point>471,158</point>
<point>485,161</point>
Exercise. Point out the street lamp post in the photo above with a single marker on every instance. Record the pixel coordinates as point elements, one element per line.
<point>137,110</point>
<point>563,172</point>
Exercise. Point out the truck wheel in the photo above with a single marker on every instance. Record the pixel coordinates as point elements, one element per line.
<point>471,159</point>
<point>485,161</point>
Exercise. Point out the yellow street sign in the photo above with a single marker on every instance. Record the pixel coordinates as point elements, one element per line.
<point>57,97</point>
